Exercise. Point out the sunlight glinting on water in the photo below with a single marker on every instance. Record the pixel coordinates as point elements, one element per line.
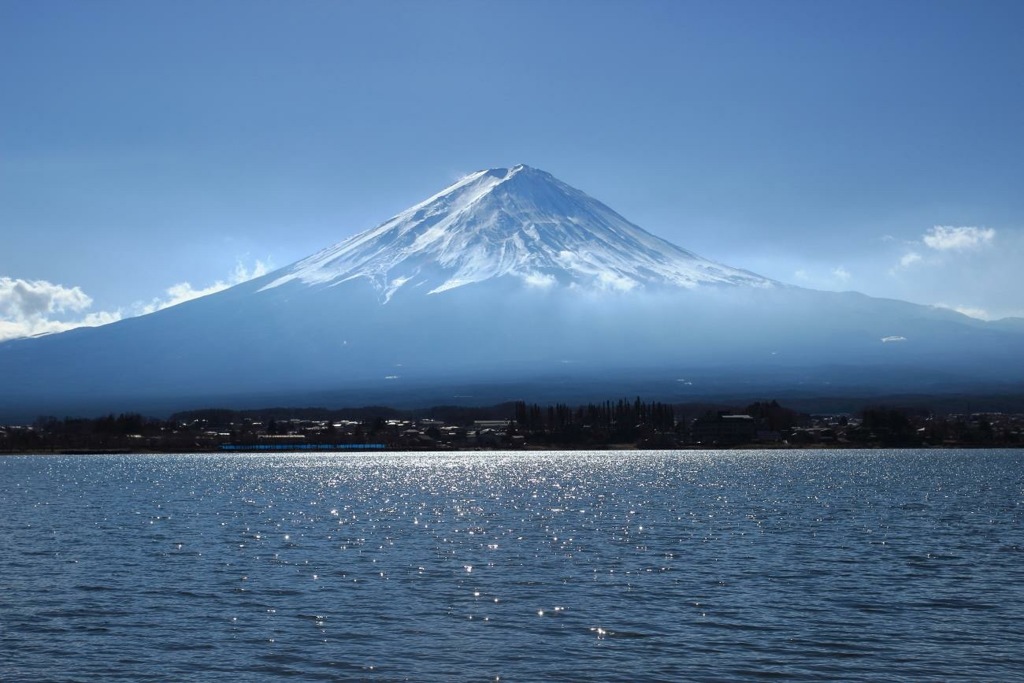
<point>429,566</point>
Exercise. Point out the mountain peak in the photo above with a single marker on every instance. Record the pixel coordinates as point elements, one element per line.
<point>513,170</point>
<point>520,223</point>
<point>505,173</point>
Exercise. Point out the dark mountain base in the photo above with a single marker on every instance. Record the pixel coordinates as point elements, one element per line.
<point>829,391</point>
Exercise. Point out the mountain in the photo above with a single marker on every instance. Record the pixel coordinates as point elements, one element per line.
<point>508,284</point>
<point>517,223</point>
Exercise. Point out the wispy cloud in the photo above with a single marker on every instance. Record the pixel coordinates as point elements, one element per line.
<point>33,307</point>
<point>976,268</point>
<point>969,311</point>
<point>909,259</point>
<point>942,242</point>
<point>835,278</point>
<point>185,291</point>
<point>950,238</point>
<point>841,274</point>
<point>31,327</point>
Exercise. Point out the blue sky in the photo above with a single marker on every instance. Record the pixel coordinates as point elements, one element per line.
<point>153,150</point>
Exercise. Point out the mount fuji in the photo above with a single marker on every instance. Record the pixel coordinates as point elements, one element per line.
<point>508,284</point>
<point>518,223</point>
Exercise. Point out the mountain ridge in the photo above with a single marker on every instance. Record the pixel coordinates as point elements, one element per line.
<point>427,304</point>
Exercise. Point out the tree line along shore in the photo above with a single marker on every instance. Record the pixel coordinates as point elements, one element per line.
<point>622,423</point>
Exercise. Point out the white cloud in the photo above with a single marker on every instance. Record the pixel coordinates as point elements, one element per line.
<point>30,327</point>
<point>837,277</point>
<point>28,298</point>
<point>973,312</point>
<point>969,311</point>
<point>894,339</point>
<point>944,239</point>
<point>34,307</point>
<point>542,280</point>
<point>950,238</point>
<point>909,259</point>
<point>612,281</point>
<point>185,291</point>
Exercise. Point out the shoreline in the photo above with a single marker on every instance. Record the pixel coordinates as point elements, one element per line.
<point>608,449</point>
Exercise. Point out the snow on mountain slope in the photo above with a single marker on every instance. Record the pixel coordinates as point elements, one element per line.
<point>519,222</point>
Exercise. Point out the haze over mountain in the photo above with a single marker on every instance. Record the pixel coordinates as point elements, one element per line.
<point>508,284</point>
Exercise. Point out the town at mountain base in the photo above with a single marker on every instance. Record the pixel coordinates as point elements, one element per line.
<point>619,424</point>
<point>508,285</point>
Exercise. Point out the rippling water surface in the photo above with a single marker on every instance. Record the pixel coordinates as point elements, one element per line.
<point>806,565</point>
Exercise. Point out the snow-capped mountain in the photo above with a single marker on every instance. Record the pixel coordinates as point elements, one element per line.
<point>508,284</point>
<point>516,222</point>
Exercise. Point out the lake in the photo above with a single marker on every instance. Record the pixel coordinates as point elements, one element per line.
<point>525,566</point>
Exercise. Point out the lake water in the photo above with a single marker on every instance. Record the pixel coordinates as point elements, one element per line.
<point>613,566</point>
